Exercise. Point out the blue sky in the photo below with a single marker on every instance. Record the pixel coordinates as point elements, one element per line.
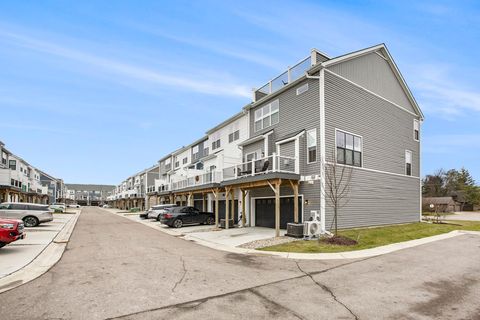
<point>88,88</point>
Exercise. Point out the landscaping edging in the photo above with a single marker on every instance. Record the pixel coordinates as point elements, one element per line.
<point>44,261</point>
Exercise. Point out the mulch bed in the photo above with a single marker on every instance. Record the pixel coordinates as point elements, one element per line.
<point>340,240</point>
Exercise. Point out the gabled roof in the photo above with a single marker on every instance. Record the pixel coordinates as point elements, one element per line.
<point>383,48</point>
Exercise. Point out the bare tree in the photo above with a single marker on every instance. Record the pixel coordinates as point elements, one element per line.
<point>338,181</point>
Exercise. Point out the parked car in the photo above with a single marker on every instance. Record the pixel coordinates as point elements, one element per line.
<point>32,214</point>
<point>73,205</point>
<point>179,216</point>
<point>11,230</point>
<point>106,206</point>
<point>58,207</point>
<point>155,212</point>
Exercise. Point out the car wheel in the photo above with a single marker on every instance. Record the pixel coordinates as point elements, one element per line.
<point>210,220</point>
<point>159,218</point>
<point>2,244</point>
<point>177,223</point>
<point>31,221</point>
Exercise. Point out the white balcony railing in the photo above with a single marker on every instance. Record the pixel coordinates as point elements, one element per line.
<point>273,163</point>
<point>198,180</point>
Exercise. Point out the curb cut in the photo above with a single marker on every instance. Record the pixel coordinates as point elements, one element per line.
<point>44,261</point>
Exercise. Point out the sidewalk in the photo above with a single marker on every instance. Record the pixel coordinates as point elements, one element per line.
<point>26,259</point>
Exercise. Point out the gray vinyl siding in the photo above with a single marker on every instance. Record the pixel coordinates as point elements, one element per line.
<point>296,112</point>
<point>375,74</point>
<point>201,153</point>
<point>252,147</point>
<point>287,149</point>
<point>387,130</point>
<point>378,199</point>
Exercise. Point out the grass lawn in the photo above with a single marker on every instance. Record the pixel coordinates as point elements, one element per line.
<point>375,237</point>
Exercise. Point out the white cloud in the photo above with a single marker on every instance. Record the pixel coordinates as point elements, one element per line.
<point>130,72</point>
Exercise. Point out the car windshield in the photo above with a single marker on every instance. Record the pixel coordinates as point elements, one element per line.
<point>4,206</point>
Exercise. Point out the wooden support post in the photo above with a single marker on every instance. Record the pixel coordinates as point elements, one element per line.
<point>204,203</point>
<point>227,207</point>
<point>232,208</point>
<point>295,200</point>
<point>244,217</point>
<point>190,199</point>
<point>277,208</point>
<point>216,194</point>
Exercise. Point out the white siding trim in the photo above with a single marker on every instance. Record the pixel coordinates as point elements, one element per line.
<point>321,84</point>
<point>378,171</point>
<point>373,93</point>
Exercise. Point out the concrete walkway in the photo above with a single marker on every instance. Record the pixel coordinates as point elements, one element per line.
<point>26,259</point>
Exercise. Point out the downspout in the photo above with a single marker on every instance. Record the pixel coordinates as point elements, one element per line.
<point>321,97</point>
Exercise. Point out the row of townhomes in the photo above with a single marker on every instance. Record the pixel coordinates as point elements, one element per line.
<point>267,165</point>
<point>87,194</point>
<point>22,182</point>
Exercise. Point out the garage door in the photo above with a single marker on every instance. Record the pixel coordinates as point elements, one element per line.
<point>221,209</point>
<point>265,212</point>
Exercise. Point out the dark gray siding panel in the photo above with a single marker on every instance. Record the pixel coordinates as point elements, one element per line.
<point>375,74</point>
<point>287,149</point>
<point>259,145</point>
<point>387,130</point>
<point>378,199</point>
<point>296,112</point>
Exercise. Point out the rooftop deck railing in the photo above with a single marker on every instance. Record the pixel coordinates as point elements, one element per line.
<point>285,78</point>
<point>197,180</point>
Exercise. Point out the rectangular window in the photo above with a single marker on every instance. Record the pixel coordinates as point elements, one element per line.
<point>205,152</point>
<point>416,130</point>
<point>216,144</point>
<point>267,116</point>
<point>408,162</point>
<point>349,149</point>
<point>195,154</point>
<point>177,164</point>
<point>312,145</point>
<point>12,164</point>
<point>302,89</point>
<point>234,136</point>
<point>184,161</point>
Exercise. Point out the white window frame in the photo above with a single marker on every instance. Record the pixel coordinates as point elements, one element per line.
<point>416,123</point>
<point>411,163</point>
<point>267,115</point>
<point>353,134</point>
<point>195,154</point>
<point>302,89</point>
<point>316,146</point>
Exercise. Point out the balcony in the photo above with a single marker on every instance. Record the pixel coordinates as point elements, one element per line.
<point>270,164</point>
<point>197,180</point>
<point>289,76</point>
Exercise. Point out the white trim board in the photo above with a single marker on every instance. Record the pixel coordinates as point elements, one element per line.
<point>377,171</point>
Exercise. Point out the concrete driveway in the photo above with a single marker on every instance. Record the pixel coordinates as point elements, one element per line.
<point>20,253</point>
<point>464,216</point>
<point>117,268</point>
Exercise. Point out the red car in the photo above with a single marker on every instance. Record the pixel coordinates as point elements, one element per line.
<point>10,230</point>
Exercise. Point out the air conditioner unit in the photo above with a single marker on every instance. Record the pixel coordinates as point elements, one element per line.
<point>312,228</point>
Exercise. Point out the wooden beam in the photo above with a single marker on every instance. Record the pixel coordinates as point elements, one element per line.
<point>232,198</point>
<point>204,203</point>
<point>277,208</point>
<point>216,194</point>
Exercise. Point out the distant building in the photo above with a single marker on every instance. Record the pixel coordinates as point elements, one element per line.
<point>87,194</point>
<point>443,204</point>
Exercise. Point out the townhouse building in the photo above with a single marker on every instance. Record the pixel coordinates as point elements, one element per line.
<point>272,163</point>
<point>22,182</point>
<point>87,194</point>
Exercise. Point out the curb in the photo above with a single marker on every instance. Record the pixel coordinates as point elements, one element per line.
<point>44,261</point>
<point>365,253</point>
